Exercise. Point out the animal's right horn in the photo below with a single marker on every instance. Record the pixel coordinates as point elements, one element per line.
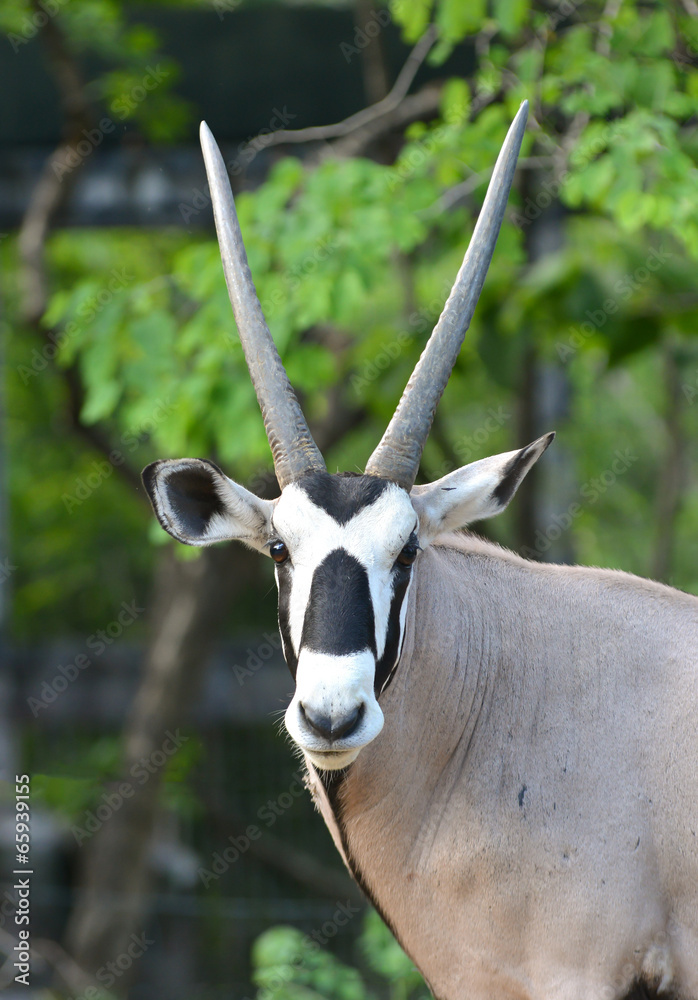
<point>292,446</point>
<point>400,450</point>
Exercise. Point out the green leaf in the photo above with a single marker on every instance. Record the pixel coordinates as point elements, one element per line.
<point>412,15</point>
<point>511,15</point>
<point>348,293</point>
<point>457,19</point>
<point>101,400</point>
<point>455,101</point>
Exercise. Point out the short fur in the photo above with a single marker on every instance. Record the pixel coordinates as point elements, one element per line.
<point>521,804</point>
<point>527,820</point>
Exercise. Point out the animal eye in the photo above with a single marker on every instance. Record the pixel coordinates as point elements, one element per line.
<point>278,552</point>
<point>408,554</point>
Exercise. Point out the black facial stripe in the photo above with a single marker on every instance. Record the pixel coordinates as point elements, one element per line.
<point>339,617</point>
<point>388,661</point>
<point>283,576</point>
<point>342,496</point>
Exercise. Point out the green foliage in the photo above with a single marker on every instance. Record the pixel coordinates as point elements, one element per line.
<point>290,965</point>
<point>385,957</point>
<point>353,261</point>
<point>171,340</point>
<point>74,784</point>
<point>61,494</point>
<point>627,82</point>
<point>368,251</point>
<point>135,82</point>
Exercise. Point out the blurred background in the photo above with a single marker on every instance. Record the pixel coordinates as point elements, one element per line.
<point>174,852</point>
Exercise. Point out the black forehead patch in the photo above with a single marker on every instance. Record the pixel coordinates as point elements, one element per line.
<point>339,617</point>
<point>342,495</point>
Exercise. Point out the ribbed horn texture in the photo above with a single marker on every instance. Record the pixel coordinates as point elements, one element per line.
<point>400,450</point>
<point>292,446</point>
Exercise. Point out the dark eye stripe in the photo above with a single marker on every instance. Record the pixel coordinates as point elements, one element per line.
<point>283,577</point>
<point>385,666</point>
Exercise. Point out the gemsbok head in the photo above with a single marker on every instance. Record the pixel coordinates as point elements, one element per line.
<point>345,546</point>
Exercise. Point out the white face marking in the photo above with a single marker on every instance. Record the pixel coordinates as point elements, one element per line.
<point>331,685</point>
<point>374,537</point>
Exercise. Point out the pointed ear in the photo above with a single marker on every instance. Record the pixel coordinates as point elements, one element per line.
<point>198,505</point>
<point>474,492</point>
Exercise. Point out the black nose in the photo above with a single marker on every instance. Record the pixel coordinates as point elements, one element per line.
<point>332,727</point>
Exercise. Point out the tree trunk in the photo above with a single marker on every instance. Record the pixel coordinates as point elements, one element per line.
<point>672,477</point>
<point>188,607</point>
<point>375,74</point>
<point>546,493</point>
<point>191,599</point>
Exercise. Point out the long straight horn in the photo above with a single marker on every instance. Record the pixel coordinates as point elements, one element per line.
<point>292,446</point>
<point>398,454</point>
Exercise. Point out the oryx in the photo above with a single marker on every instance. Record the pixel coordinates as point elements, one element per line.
<point>506,753</point>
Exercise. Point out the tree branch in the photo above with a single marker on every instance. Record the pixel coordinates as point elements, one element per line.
<point>398,93</point>
<point>54,187</point>
<point>424,103</point>
<point>450,198</point>
<point>672,480</point>
<point>375,73</point>
<point>283,857</point>
<point>48,198</point>
<point>95,437</point>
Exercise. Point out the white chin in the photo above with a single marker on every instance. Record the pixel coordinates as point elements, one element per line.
<point>332,760</point>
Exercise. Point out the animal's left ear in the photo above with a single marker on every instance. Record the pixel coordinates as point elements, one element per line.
<point>474,492</point>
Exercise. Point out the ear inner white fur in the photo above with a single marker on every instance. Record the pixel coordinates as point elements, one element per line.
<point>198,505</point>
<point>479,490</point>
